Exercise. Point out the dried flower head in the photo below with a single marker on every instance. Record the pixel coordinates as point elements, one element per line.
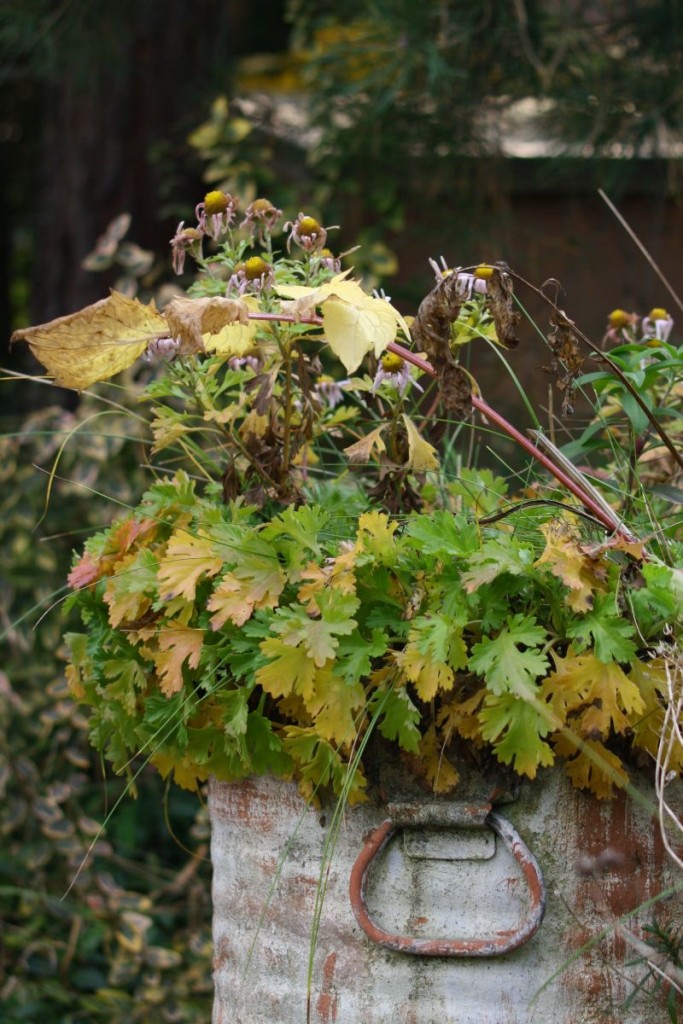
<point>329,261</point>
<point>216,212</point>
<point>253,275</point>
<point>619,318</point>
<point>307,232</point>
<point>261,217</point>
<point>330,391</point>
<point>185,240</point>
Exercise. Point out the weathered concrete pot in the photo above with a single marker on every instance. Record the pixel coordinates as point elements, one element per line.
<point>425,885</point>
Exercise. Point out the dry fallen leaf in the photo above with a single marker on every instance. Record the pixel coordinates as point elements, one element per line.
<point>189,319</point>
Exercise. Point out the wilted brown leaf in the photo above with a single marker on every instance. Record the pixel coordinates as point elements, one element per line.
<point>189,319</point>
<point>499,296</point>
<point>431,332</point>
<point>362,450</point>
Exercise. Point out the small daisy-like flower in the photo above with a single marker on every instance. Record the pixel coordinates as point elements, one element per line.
<point>185,240</point>
<point>620,325</point>
<point>329,261</point>
<point>657,325</point>
<point>394,370</point>
<point>307,232</point>
<point>261,216</point>
<point>216,213</point>
<point>441,269</point>
<point>330,391</point>
<point>466,284</point>
<point>252,275</point>
<point>619,318</point>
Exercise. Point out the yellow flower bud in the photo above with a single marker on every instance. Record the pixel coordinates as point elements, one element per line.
<point>484,272</point>
<point>658,314</point>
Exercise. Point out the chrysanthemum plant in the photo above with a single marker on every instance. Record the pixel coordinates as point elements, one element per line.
<point>316,578</point>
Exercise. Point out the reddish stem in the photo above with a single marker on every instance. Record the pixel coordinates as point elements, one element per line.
<point>485,409</point>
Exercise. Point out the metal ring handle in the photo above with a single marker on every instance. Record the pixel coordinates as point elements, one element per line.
<point>501,942</point>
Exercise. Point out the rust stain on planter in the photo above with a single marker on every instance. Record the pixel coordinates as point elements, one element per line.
<point>266,882</point>
<point>327,1000</point>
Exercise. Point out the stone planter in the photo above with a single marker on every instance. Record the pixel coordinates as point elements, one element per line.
<point>431,885</point>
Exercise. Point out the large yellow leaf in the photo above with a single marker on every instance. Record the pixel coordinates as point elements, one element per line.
<point>355,323</point>
<point>306,299</point>
<point>427,674</point>
<point>332,706</point>
<point>590,765</point>
<point>353,331</point>
<point>246,590</point>
<point>95,343</point>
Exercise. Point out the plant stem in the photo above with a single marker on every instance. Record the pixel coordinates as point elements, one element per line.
<point>612,523</point>
<point>603,357</point>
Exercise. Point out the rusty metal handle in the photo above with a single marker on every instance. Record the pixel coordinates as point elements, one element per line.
<point>501,942</point>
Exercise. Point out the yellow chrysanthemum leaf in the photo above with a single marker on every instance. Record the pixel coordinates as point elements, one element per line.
<point>96,342</point>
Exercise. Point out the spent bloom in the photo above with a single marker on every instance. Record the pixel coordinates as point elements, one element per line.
<point>329,261</point>
<point>161,348</point>
<point>252,275</point>
<point>620,326</point>
<point>394,370</point>
<point>245,363</point>
<point>216,213</point>
<point>657,325</point>
<point>185,240</point>
<point>261,217</point>
<point>307,232</point>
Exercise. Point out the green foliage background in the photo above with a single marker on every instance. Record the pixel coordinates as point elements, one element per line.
<point>123,934</point>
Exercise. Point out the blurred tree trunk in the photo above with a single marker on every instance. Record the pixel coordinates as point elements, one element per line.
<point>138,77</point>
